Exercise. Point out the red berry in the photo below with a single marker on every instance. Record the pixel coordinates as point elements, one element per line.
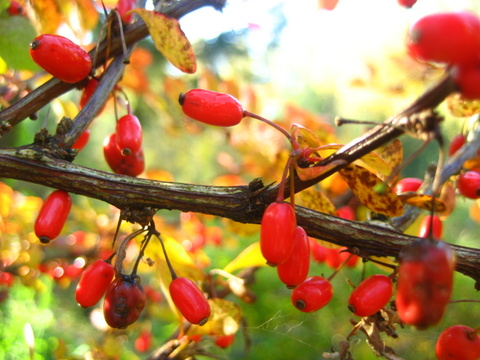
<point>124,301</point>
<point>53,215</point>
<point>458,342</point>
<point>424,285</point>
<point>346,212</point>
<point>61,57</point>
<point>143,342</point>
<point>319,252</point>
<point>431,226</point>
<point>87,93</point>
<point>94,283</point>
<point>371,295</point>
<point>407,184</point>
<point>336,256</point>
<point>313,294</point>
<point>452,38</point>
<point>277,232</point>
<point>295,270</point>
<point>124,6</point>
<point>82,140</point>
<point>467,79</point>
<point>128,135</point>
<point>189,300</point>
<point>15,8</point>
<point>407,3</point>
<point>211,107</point>
<point>468,184</point>
<point>224,341</point>
<point>6,278</point>
<point>457,142</point>
<point>132,165</point>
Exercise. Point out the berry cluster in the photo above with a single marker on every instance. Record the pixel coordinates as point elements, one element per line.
<point>124,295</point>
<point>451,38</point>
<point>123,149</point>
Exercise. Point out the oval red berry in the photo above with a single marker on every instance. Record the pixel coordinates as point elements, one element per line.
<point>458,342</point>
<point>94,283</point>
<point>451,37</point>
<point>211,107</point>
<point>424,284</point>
<point>189,300</point>
<point>277,232</point>
<point>313,294</point>
<point>295,270</point>
<point>132,165</point>
<point>468,184</point>
<point>371,295</point>
<point>128,134</point>
<point>53,215</point>
<point>61,57</point>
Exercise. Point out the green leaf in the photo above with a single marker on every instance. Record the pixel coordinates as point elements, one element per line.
<point>169,39</point>
<point>17,34</point>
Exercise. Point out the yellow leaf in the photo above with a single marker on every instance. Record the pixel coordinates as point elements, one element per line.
<point>305,137</point>
<point>461,107</point>
<point>250,256</point>
<point>6,200</point>
<point>392,153</point>
<point>364,185</point>
<point>423,201</point>
<point>169,39</point>
<point>88,14</point>
<point>315,200</point>
<point>225,319</point>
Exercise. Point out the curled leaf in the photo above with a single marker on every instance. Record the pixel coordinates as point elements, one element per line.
<point>169,39</point>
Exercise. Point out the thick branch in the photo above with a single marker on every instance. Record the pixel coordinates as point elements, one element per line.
<point>239,203</point>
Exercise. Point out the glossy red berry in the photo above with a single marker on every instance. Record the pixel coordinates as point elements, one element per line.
<point>211,107</point>
<point>458,342</point>
<point>124,301</point>
<point>224,341</point>
<point>371,295</point>
<point>467,79</point>
<point>452,38</point>
<point>295,270</point>
<point>52,216</point>
<point>82,140</point>
<point>132,165</point>
<point>425,280</point>
<point>468,184</point>
<point>313,294</point>
<point>407,3</point>
<point>128,135</point>
<point>61,57</point>
<point>277,232</point>
<point>457,142</point>
<point>407,184</point>
<point>431,226</point>
<point>190,300</point>
<point>94,283</point>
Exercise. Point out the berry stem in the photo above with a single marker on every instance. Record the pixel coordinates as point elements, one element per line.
<point>339,267</point>
<point>281,189</point>
<point>169,264</point>
<point>279,128</point>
